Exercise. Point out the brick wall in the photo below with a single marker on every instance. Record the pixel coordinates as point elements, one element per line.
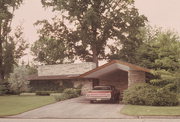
<point>86,85</point>
<point>135,76</point>
<point>65,69</point>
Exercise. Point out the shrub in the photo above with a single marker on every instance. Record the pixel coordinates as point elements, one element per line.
<point>46,86</point>
<point>67,94</point>
<point>61,97</point>
<point>44,93</point>
<point>3,88</point>
<point>27,94</point>
<point>145,94</point>
<point>18,79</point>
<point>55,94</point>
<point>72,92</point>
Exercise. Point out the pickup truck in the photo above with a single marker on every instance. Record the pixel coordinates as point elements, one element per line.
<point>103,93</point>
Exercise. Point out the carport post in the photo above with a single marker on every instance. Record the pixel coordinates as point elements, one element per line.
<point>135,76</point>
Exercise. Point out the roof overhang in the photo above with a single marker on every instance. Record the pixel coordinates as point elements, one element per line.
<point>55,77</point>
<point>111,67</point>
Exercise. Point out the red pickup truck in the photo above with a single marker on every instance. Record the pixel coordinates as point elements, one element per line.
<point>103,93</point>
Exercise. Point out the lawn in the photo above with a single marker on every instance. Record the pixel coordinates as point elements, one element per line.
<point>11,105</point>
<point>136,110</point>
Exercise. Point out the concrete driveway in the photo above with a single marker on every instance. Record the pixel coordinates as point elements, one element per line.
<point>78,108</point>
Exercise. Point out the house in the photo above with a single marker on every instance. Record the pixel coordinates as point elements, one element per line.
<point>117,73</point>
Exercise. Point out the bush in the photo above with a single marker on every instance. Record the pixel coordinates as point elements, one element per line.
<point>18,79</point>
<point>67,94</point>
<point>145,94</point>
<point>27,94</point>
<point>46,86</point>
<point>44,93</point>
<point>3,88</point>
<point>72,92</point>
<point>61,97</point>
<point>55,94</point>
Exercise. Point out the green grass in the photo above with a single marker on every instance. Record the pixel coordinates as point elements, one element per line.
<point>11,105</point>
<point>136,110</point>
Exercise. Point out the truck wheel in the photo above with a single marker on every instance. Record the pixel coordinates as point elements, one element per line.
<point>118,99</point>
<point>113,100</point>
<point>91,101</point>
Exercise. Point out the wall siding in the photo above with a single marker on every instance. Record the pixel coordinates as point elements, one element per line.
<point>135,76</point>
<point>86,85</point>
<point>65,69</point>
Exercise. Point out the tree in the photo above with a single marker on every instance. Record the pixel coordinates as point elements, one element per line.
<point>13,50</point>
<point>96,22</point>
<point>18,78</point>
<point>53,45</point>
<point>7,8</point>
<point>128,52</point>
<point>161,52</point>
<point>167,80</point>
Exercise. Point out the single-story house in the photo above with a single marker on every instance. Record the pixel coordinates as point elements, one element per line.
<point>85,75</point>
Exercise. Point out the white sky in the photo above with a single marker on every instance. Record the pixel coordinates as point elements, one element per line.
<point>161,13</point>
<point>28,14</point>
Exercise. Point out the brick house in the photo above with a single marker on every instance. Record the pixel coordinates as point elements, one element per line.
<point>117,73</point>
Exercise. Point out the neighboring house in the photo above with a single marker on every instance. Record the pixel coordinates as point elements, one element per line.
<point>117,73</point>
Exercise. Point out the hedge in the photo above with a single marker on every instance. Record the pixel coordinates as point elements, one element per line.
<point>145,94</point>
<point>67,94</point>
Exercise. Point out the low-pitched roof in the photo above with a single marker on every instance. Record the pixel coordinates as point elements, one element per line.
<point>95,73</point>
<point>114,65</point>
<point>55,77</point>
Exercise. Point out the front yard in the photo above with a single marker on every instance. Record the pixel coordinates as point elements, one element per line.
<point>11,105</point>
<point>135,110</point>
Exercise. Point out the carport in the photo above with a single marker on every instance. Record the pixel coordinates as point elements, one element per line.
<point>119,74</point>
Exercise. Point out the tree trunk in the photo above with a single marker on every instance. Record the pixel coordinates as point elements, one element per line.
<point>1,55</point>
<point>1,61</point>
<point>95,57</point>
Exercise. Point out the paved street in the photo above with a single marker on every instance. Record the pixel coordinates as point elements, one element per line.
<point>89,120</point>
<point>75,108</point>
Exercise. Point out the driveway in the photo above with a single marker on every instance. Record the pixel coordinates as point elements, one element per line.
<point>77,108</point>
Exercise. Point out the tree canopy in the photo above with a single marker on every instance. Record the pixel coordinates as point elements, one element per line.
<point>18,78</point>
<point>53,46</point>
<point>7,8</point>
<point>161,52</point>
<point>95,23</point>
<point>13,50</point>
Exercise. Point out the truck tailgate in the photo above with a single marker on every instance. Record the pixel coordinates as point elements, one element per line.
<point>103,94</point>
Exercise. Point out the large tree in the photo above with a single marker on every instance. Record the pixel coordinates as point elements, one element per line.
<point>161,52</point>
<point>96,22</point>
<point>13,49</point>
<point>53,45</point>
<point>7,8</point>
<point>128,51</point>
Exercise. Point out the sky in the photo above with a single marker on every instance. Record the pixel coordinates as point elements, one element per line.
<point>160,13</point>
